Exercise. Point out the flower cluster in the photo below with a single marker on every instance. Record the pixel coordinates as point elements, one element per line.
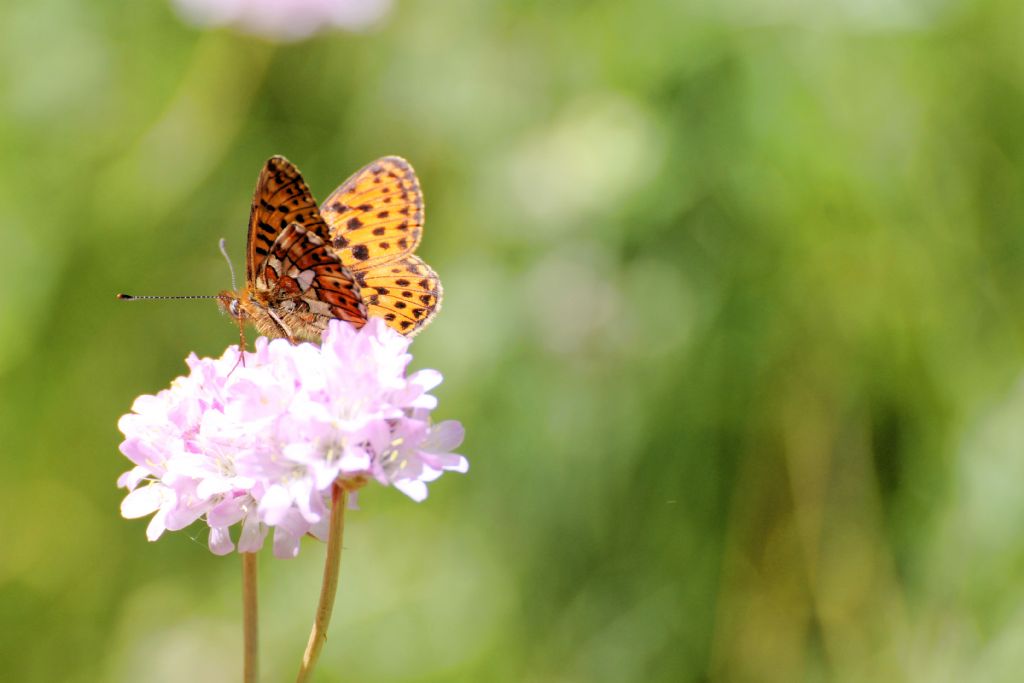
<point>261,442</point>
<point>285,20</point>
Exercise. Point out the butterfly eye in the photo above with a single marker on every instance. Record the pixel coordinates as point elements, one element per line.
<point>233,308</point>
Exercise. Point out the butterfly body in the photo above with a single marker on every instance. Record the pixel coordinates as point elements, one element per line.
<point>302,270</point>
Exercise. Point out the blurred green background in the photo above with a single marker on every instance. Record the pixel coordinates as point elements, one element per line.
<point>733,319</point>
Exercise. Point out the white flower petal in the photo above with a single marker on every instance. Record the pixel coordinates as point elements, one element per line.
<point>143,501</point>
<point>444,436</point>
<point>275,505</point>
<point>130,479</point>
<point>413,488</point>
<point>426,379</point>
<point>251,538</point>
<point>220,540</point>
<point>228,512</point>
<point>156,525</point>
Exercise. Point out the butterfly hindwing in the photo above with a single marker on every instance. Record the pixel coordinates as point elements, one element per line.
<point>375,216</point>
<point>305,284</point>
<point>406,293</point>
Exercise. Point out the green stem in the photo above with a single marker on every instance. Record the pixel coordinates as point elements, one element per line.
<point>250,619</point>
<point>329,588</point>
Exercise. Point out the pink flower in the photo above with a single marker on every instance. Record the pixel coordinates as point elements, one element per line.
<point>260,444</point>
<point>285,20</point>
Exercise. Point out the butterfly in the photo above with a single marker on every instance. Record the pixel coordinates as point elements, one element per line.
<point>298,277</point>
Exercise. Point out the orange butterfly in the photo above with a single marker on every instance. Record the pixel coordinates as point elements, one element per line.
<point>298,277</point>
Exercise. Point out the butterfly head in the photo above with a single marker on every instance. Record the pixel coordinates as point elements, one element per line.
<point>244,308</point>
<point>231,304</point>
<point>236,305</point>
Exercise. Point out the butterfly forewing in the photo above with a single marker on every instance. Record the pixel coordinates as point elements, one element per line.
<point>281,198</point>
<point>294,283</point>
<point>376,216</point>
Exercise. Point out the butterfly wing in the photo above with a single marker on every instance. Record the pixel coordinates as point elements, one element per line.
<point>281,198</point>
<point>305,285</point>
<point>406,293</point>
<point>376,216</point>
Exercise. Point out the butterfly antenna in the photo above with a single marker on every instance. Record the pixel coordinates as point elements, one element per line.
<point>132,297</point>
<point>231,267</point>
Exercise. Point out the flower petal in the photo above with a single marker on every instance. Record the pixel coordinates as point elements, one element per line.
<point>142,501</point>
<point>220,540</point>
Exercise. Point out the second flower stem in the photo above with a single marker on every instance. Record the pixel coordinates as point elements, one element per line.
<point>329,588</point>
<point>250,619</point>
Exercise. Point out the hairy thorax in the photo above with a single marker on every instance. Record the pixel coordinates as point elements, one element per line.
<point>274,316</point>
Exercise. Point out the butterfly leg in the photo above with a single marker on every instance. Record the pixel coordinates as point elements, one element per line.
<point>280,323</point>
<point>241,347</point>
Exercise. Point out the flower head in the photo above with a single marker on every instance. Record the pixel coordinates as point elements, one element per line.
<point>285,20</point>
<point>262,442</point>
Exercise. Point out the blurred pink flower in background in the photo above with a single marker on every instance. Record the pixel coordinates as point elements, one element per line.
<point>263,443</point>
<point>285,20</point>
